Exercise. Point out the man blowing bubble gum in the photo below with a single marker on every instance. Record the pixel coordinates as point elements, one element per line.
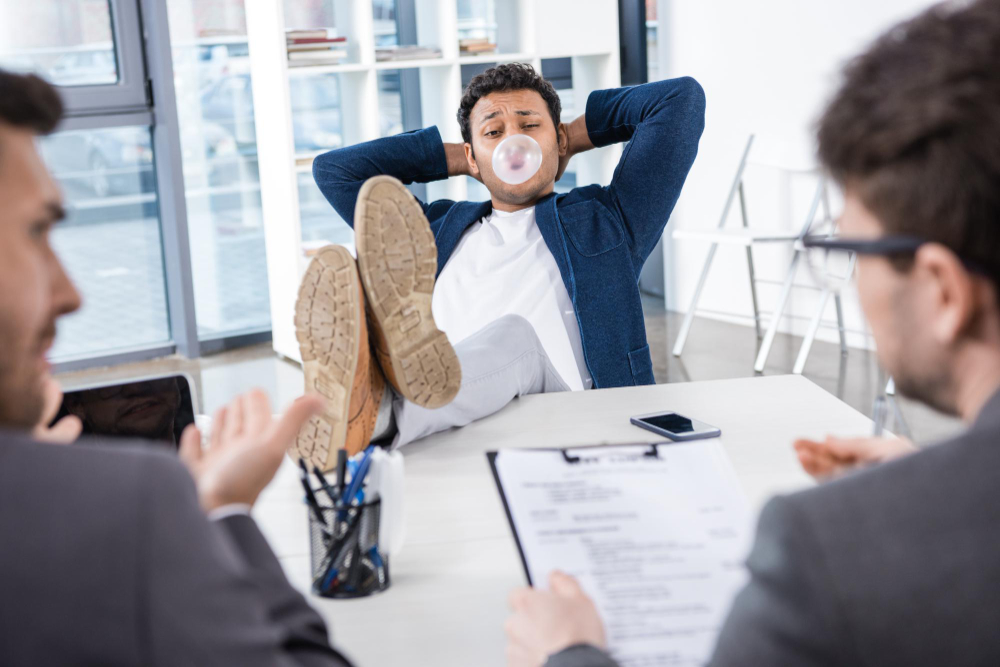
<point>467,305</point>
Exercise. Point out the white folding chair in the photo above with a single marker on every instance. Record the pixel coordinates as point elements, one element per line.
<point>748,237</point>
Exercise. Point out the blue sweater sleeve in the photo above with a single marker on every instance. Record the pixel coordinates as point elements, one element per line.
<point>663,122</point>
<point>416,156</point>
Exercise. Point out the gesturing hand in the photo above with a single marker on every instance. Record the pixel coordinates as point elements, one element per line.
<point>835,456</point>
<point>64,431</point>
<point>245,448</point>
<point>546,622</point>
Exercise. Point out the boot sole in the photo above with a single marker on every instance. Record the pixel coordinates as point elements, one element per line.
<point>397,261</point>
<point>327,326</point>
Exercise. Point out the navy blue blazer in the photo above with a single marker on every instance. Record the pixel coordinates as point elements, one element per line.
<point>600,236</point>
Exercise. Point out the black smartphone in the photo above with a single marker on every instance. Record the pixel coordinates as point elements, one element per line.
<point>676,426</point>
<point>150,408</point>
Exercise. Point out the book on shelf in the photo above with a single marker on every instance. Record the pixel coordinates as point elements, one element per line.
<point>321,46</point>
<point>476,45</point>
<point>315,43</point>
<point>389,53</point>
<point>312,33</point>
<point>302,59</point>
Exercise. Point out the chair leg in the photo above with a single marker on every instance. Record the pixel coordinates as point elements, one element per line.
<point>772,327</point>
<point>753,274</point>
<point>840,323</point>
<point>807,341</point>
<point>689,316</point>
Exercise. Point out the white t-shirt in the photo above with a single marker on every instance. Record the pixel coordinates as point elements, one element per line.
<point>502,266</point>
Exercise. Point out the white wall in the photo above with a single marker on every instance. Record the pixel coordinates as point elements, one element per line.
<point>768,67</point>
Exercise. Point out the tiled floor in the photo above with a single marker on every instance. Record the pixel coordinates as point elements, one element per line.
<point>715,350</point>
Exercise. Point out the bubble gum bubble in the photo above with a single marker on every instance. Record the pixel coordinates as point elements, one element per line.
<point>516,159</point>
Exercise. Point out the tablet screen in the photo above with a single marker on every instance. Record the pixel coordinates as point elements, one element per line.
<point>150,409</point>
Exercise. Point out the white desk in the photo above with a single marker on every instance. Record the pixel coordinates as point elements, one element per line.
<point>448,597</point>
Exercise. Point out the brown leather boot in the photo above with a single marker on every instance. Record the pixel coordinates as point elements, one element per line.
<point>333,339</point>
<point>397,260</point>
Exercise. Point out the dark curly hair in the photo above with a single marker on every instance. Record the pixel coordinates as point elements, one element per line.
<point>915,130</point>
<point>29,102</point>
<point>502,78</point>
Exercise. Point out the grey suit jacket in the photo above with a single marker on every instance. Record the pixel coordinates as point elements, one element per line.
<point>895,565</point>
<point>107,559</point>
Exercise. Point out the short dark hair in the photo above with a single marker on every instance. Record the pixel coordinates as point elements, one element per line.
<point>28,101</point>
<point>914,130</point>
<point>506,77</point>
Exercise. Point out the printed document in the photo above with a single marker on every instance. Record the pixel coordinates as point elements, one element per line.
<point>657,541</point>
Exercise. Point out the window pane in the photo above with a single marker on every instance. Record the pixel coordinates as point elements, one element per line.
<point>69,42</point>
<point>219,158</point>
<point>477,20</point>
<point>384,15</point>
<point>390,103</point>
<point>317,127</point>
<point>652,34</point>
<point>110,241</point>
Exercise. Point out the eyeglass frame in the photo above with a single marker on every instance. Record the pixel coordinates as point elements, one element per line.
<point>887,246</point>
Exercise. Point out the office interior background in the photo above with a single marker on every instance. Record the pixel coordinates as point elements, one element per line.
<point>185,160</point>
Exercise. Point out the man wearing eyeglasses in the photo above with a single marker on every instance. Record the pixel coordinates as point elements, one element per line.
<point>896,564</point>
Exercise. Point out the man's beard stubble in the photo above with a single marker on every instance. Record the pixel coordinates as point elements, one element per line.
<point>22,397</point>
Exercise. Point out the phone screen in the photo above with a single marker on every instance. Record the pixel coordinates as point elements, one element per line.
<point>156,409</point>
<point>672,422</point>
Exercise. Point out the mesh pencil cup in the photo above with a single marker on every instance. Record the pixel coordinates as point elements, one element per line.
<point>345,554</point>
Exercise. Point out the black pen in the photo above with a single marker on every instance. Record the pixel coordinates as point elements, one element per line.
<point>341,469</point>
<point>330,491</point>
<point>310,496</point>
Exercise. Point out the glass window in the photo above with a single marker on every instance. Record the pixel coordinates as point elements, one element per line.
<point>386,29</point>
<point>219,158</point>
<point>652,54</point>
<point>477,20</point>
<point>390,103</point>
<point>305,14</point>
<point>110,242</point>
<point>69,42</point>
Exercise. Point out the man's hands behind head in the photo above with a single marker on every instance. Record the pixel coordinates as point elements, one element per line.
<point>245,448</point>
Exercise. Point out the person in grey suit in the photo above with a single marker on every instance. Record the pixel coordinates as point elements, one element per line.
<point>106,554</point>
<point>897,563</point>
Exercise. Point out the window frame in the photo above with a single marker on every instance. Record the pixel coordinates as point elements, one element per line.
<point>130,91</point>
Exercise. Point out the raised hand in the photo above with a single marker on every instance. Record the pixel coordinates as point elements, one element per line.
<point>836,456</point>
<point>63,432</point>
<point>246,447</point>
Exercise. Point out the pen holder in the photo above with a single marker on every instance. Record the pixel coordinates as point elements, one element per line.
<point>346,559</point>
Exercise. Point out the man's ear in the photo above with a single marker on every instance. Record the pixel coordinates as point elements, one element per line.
<point>951,289</point>
<point>562,136</point>
<point>470,157</point>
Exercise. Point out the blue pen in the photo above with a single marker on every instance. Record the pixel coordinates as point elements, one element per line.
<point>359,477</point>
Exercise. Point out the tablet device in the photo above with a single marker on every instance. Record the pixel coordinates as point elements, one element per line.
<point>150,408</point>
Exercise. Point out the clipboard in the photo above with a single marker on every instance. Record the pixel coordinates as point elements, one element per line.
<point>652,452</point>
<point>658,546</point>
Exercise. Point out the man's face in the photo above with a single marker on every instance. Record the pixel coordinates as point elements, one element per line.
<point>34,289</point>
<point>496,117</point>
<point>901,308</point>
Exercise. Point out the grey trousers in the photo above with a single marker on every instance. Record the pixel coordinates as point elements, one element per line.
<point>500,362</point>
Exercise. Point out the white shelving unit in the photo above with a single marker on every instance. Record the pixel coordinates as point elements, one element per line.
<point>527,31</point>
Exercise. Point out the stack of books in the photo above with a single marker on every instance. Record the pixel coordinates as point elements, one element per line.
<point>385,53</point>
<point>315,47</point>
<point>476,46</point>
